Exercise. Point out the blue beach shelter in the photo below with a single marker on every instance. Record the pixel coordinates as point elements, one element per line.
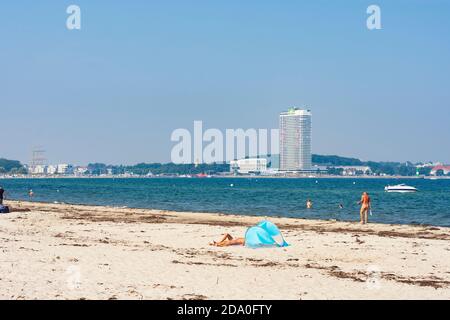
<point>264,234</point>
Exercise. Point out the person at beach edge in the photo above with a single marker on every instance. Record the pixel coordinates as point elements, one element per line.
<point>365,207</point>
<point>2,193</point>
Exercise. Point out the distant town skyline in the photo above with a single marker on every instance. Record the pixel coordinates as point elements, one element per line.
<point>114,91</point>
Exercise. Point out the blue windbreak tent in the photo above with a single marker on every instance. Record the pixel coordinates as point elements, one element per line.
<point>264,234</point>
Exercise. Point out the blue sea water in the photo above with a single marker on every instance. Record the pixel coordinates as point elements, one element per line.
<point>251,196</point>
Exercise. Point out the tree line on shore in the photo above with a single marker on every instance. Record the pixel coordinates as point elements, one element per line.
<point>378,168</point>
<point>12,167</point>
<point>158,169</point>
<point>332,162</point>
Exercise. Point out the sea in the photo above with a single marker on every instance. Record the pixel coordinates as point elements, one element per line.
<point>274,197</point>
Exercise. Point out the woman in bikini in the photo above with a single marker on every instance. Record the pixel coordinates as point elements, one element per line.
<point>228,240</point>
<point>365,207</point>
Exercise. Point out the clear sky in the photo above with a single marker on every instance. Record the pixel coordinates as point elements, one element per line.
<point>115,90</point>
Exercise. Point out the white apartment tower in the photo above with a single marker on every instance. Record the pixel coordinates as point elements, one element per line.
<point>295,140</point>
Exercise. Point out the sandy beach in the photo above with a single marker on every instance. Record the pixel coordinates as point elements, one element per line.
<point>59,251</point>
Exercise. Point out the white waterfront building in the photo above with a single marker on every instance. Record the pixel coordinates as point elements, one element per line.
<point>51,169</point>
<point>39,169</point>
<point>295,140</point>
<point>247,166</point>
<point>64,169</point>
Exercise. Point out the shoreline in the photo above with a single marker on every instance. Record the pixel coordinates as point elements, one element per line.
<point>225,219</point>
<point>60,251</point>
<point>206,213</point>
<point>229,177</point>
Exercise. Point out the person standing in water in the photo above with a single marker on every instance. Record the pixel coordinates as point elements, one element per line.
<point>309,204</point>
<point>365,207</point>
<point>2,195</point>
<point>31,194</point>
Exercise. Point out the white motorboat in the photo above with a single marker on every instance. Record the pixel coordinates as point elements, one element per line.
<point>400,188</point>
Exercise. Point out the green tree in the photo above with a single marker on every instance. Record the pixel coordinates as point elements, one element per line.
<point>335,171</point>
<point>425,171</point>
<point>8,165</point>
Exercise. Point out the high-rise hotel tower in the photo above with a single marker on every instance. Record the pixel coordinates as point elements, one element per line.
<point>295,140</point>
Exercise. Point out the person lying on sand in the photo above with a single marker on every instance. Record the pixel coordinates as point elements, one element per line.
<point>228,240</point>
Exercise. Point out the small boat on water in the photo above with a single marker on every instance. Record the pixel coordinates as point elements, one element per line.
<point>403,188</point>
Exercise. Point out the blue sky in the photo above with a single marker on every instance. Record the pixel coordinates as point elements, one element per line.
<point>115,90</point>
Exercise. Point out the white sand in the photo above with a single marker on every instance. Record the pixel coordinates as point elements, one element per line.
<point>81,252</point>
